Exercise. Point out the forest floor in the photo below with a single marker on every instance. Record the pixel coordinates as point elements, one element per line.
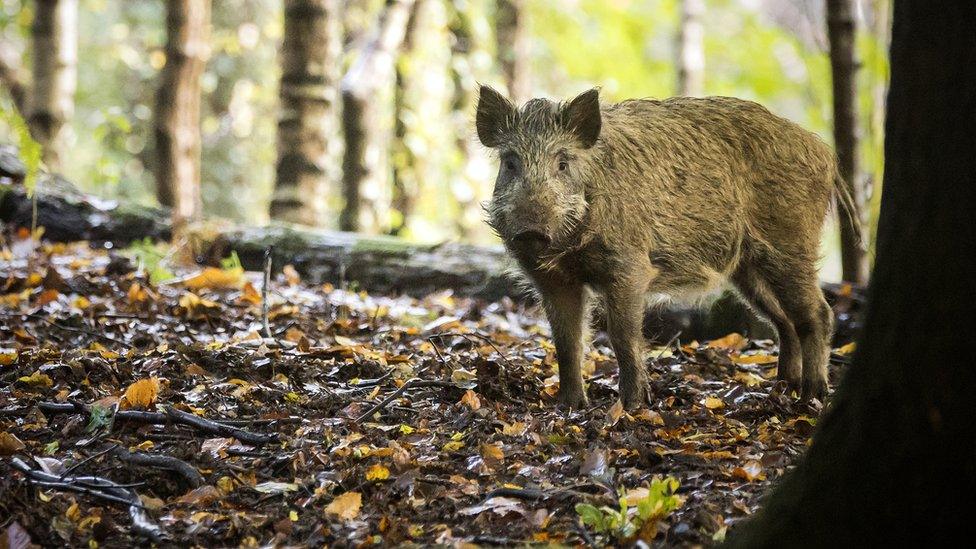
<point>361,420</point>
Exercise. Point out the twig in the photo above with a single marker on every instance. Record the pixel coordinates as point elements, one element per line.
<point>104,489</point>
<point>208,426</point>
<point>264,292</point>
<point>411,384</point>
<point>184,469</point>
<point>87,459</point>
<point>667,345</point>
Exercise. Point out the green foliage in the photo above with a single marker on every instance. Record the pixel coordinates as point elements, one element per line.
<point>231,263</point>
<point>625,522</point>
<point>151,258</point>
<point>29,150</point>
<point>101,416</point>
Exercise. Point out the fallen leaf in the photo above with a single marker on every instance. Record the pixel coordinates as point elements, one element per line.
<point>37,379</point>
<point>754,359</point>
<point>204,495</point>
<point>215,279</point>
<point>733,341</point>
<point>471,400</point>
<point>7,356</point>
<point>10,444</point>
<point>272,487</point>
<point>141,394</point>
<point>846,349</point>
<point>345,506</point>
<point>377,472</point>
<point>750,471</point>
<point>714,403</point>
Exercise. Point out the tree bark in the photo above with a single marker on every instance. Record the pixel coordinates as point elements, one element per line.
<point>894,458</point>
<point>55,75</point>
<point>514,48</point>
<point>466,45</point>
<point>691,48</point>
<point>177,116</point>
<point>372,73</point>
<point>841,31</point>
<point>404,162</point>
<point>308,123</point>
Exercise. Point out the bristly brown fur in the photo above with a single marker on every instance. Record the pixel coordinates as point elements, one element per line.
<point>667,197</point>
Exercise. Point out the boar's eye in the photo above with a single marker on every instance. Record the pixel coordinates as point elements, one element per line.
<point>509,162</point>
<point>563,165</point>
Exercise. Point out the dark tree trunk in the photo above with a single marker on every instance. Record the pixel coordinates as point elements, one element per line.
<point>691,48</point>
<point>372,75</point>
<point>55,49</point>
<point>512,35</point>
<point>894,458</point>
<point>308,123</point>
<point>841,30</point>
<point>177,116</point>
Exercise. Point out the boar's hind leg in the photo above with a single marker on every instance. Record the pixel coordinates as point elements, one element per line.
<point>625,313</point>
<point>760,296</point>
<point>799,293</point>
<point>565,305</point>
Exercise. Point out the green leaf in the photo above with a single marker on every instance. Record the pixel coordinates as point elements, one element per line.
<point>29,150</point>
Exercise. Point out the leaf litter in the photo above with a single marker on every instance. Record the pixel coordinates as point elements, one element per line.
<point>162,411</point>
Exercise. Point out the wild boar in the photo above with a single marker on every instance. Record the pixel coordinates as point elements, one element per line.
<point>675,198</point>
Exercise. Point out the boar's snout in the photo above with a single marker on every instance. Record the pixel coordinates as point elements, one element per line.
<point>530,241</point>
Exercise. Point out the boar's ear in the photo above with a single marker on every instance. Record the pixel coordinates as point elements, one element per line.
<point>582,117</point>
<point>494,117</point>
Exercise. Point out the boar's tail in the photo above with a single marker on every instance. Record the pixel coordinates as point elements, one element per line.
<point>847,206</point>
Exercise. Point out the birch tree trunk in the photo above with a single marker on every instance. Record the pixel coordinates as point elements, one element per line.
<point>406,184</point>
<point>841,30</point>
<point>892,462</point>
<point>514,48</point>
<point>308,123</point>
<point>691,48</point>
<point>370,79</point>
<point>177,116</point>
<point>55,76</point>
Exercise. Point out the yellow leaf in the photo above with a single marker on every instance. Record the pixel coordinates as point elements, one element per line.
<point>748,378</point>
<point>291,275</point>
<point>847,349</point>
<point>406,429</point>
<point>714,403</point>
<point>754,359</point>
<point>7,356</point>
<point>81,302</point>
<point>136,293</point>
<point>471,400</point>
<point>249,294</point>
<point>141,394</point>
<point>216,279</point>
<point>453,446</point>
<point>293,515</point>
<point>377,472</point>
<point>733,341</point>
<point>37,378</point>
<point>225,484</point>
<point>345,506</point>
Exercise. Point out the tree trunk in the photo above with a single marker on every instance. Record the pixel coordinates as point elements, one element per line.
<point>841,30</point>
<point>372,74</point>
<point>308,123</point>
<point>405,181</point>
<point>691,48</point>
<point>55,75</point>
<point>12,79</point>
<point>894,459</point>
<point>466,45</point>
<point>514,48</point>
<point>177,123</point>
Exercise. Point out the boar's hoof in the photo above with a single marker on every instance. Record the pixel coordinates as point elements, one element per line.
<point>635,396</point>
<point>814,388</point>
<point>572,399</point>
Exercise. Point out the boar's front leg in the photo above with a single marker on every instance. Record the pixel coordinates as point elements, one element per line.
<point>625,316</point>
<point>565,305</point>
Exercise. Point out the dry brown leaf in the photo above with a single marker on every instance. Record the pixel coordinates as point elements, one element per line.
<point>215,279</point>
<point>733,341</point>
<point>10,444</point>
<point>345,506</point>
<point>471,400</point>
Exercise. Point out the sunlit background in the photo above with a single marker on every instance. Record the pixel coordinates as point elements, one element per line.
<point>770,51</point>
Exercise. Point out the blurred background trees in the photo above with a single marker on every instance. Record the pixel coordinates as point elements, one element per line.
<point>357,113</point>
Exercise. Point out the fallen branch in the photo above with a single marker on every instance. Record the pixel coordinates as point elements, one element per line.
<point>184,469</point>
<point>205,425</point>
<point>170,415</point>
<point>411,384</point>
<point>101,488</point>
